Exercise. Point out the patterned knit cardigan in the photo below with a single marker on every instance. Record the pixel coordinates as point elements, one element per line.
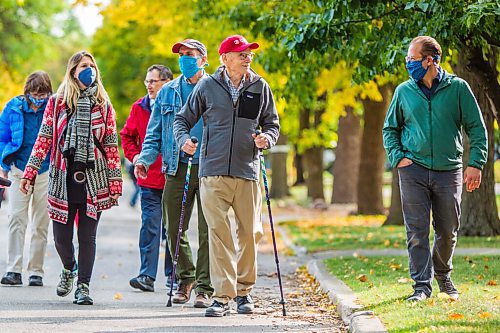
<point>102,181</point>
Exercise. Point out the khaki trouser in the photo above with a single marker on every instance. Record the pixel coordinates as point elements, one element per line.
<point>19,204</point>
<point>232,273</point>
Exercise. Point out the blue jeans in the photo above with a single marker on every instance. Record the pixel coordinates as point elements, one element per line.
<point>423,191</point>
<point>150,234</point>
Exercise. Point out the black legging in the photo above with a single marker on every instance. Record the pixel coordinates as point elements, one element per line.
<point>63,237</point>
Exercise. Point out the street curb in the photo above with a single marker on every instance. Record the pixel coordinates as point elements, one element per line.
<point>346,300</point>
<point>299,251</point>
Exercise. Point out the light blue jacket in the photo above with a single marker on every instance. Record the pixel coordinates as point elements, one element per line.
<point>159,134</point>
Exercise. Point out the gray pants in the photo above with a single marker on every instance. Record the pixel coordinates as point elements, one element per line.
<point>423,190</point>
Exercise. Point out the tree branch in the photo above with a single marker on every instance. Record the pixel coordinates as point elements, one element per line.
<point>491,40</point>
<point>395,10</point>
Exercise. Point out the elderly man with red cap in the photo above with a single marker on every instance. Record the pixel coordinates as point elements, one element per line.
<point>234,102</point>
<point>172,96</point>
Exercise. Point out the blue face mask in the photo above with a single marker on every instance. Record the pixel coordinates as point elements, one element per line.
<point>87,76</point>
<point>416,70</point>
<point>38,102</point>
<point>189,66</point>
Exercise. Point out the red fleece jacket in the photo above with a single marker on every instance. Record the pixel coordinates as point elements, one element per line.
<point>133,134</point>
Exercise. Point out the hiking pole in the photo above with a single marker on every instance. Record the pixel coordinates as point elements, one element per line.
<point>181,223</point>
<point>264,176</point>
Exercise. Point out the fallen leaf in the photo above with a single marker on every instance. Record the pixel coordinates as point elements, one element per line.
<point>118,296</point>
<point>362,278</point>
<point>483,314</point>
<point>432,302</point>
<point>456,316</point>
<point>491,283</point>
<point>395,267</point>
<point>372,271</point>
<point>387,242</point>
<point>403,280</point>
<point>443,296</point>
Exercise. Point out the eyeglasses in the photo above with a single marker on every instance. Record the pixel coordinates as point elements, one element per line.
<point>146,82</point>
<point>244,56</point>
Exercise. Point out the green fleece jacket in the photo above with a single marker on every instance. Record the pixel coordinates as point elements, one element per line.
<point>429,131</point>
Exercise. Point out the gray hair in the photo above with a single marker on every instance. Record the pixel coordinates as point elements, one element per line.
<point>165,72</point>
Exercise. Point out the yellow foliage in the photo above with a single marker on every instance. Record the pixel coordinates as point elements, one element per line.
<point>12,85</point>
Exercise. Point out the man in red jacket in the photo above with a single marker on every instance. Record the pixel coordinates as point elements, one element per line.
<point>151,187</point>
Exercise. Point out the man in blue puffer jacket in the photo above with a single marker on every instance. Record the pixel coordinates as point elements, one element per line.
<point>19,124</point>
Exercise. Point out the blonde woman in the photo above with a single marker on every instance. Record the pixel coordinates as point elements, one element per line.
<point>79,129</point>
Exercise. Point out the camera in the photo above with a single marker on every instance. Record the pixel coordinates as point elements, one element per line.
<point>79,177</point>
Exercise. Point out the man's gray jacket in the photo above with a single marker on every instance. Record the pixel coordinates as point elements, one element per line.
<point>227,146</point>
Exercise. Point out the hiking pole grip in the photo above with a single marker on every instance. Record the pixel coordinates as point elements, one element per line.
<point>5,182</point>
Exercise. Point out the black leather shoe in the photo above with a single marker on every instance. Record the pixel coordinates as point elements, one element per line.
<point>36,281</point>
<point>143,282</point>
<point>245,304</point>
<point>217,309</point>
<point>11,278</point>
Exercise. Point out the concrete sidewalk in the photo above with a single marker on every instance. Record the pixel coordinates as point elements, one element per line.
<point>119,308</point>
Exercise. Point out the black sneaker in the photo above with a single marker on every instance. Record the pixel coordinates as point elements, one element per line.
<point>35,281</point>
<point>217,309</point>
<point>417,296</point>
<point>12,279</point>
<point>143,282</point>
<point>82,295</point>
<point>245,304</point>
<point>65,284</point>
<point>446,286</point>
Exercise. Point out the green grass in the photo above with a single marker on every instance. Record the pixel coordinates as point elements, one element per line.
<point>322,237</point>
<point>387,285</point>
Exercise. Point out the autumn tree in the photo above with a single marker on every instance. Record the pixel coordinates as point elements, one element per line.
<point>375,36</point>
<point>32,34</point>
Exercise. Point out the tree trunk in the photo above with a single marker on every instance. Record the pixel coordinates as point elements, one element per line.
<point>395,216</point>
<point>347,156</point>
<point>313,157</point>
<point>479,208</point>
<point>278,156</point>
<point>313,162</point>
<point>304,122</point>
<point>299,168</point>
<point>371,168</point>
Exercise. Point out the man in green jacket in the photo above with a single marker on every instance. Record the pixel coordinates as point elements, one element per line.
<point>423,138</point>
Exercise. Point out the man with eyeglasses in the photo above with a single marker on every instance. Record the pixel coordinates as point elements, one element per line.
<point>151,187</point>
<point>234,102</point>
<point>171,98</point>
<point>423,138</point>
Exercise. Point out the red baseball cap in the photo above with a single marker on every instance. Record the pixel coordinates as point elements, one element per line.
<point>236,43</point>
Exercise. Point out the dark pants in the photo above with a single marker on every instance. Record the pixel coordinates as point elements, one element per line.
<point>172,201</point>
<point>423,191</point>
<point>63,237</point>
<point>150,234</point>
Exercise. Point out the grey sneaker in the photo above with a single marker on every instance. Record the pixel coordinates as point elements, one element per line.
<point>217,309</point>
<point>65,285</point>
<point>82,296</point>
<point>245,304</point>
<point>446,286</point>
<point>417,296</point>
